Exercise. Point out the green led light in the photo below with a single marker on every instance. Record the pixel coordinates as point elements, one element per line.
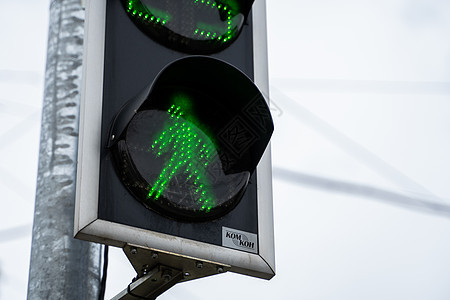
<point>174,140</point>
<point>215,30</point>
<point>208,32</point>
<point>144,12</point>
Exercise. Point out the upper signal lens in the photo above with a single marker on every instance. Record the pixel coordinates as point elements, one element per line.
<point>190,26</point>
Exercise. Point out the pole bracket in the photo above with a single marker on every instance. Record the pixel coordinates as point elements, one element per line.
<point>157,271</point>
<point>149,286</point>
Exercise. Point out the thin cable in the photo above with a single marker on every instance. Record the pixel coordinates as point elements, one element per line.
<point>14,233</point>
<point>416,203</point>
<point>366,86</point>
<point>28,123</point>
<point>351,147</point>
<point>101,295</point>
<point>16,185</point>
<point>21,76</point>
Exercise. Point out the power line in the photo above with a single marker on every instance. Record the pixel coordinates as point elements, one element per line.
<point>17,185</point>
<point>26,124</point>
<point>14,233</point>
<point>367,86</point>
<point>416,203</point>
<point>351,147</point>
<point>18,108</point>
<point>22,76</point>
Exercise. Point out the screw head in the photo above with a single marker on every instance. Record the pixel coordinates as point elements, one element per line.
<point>145,269</point>
<point>166,275</point>
<point>199,265</point>
<point>133,250</point>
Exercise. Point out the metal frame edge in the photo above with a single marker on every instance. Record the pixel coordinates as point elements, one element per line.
<point>264,169</point>
<point>88,164</point>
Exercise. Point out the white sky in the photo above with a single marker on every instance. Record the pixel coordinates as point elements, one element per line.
<point>362,97</point>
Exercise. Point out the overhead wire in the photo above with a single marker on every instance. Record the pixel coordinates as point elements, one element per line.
<point>354,149</point>
<point>367,191</point>
<point>14,233</point>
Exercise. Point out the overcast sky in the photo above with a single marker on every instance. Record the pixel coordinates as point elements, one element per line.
<point>360,93</point>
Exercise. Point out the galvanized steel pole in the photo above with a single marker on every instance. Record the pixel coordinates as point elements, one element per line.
<point>61,267</point>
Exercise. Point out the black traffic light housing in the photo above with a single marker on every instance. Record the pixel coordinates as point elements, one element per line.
<point>131,79</point>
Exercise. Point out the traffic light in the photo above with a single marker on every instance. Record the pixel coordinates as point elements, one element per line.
<point>173,147</point>
<point>190,26</point>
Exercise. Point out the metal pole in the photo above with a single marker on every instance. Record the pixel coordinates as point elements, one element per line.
<point>61,267</point>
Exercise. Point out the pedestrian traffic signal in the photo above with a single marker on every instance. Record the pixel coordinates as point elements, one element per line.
<point>175,145</point>
<point>191,26</point>
<point>174,155</point>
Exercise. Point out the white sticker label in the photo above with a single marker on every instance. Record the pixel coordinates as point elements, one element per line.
<point>239,240</point>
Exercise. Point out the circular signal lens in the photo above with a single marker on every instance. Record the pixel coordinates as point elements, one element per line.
<point>191,26</point>
<point>172,166</point>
